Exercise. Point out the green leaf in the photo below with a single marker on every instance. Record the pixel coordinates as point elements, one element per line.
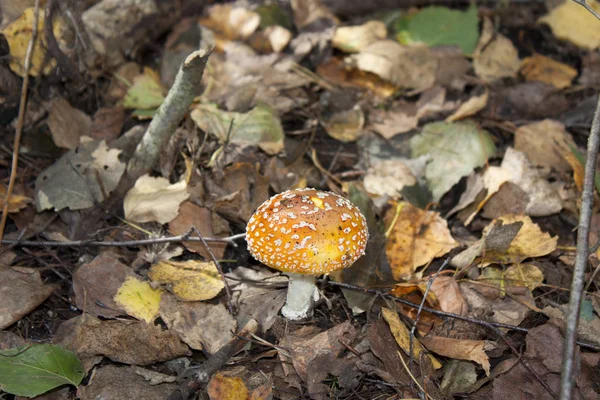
<point>35,369</point>
<point>273,14</point>
<point>258,127</point>
<point>455,150</point>
<point>587,310</point>
<point>441,26</point>
<point>146,92</point>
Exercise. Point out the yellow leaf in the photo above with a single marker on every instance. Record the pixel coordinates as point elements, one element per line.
<point>544,69</point>
<point>416,238</point>
<point>189,280</point>
<point>223,387</point>
<point>15,203</point>
<point>138,299</point>
<point>402,336</point>
<point>529,242</point>
<point>352,39</point>
<point>18,35</point>
<point>570,21</point>
<point>524,275</point>
<point>470,107</point>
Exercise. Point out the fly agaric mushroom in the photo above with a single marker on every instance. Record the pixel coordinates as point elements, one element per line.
<point>305,233</point>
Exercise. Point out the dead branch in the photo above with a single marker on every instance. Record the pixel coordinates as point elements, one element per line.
<point>567,379</point>
<point>170,113</point>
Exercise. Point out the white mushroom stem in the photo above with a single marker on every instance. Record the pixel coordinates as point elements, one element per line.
<point>301,295</point>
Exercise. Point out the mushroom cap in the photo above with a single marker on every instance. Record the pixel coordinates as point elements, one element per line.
<point>307,231</point>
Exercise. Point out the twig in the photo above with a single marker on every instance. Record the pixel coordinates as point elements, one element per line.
<point>196,379</point>
<point>412,377</point>
<point>21,117</point>
<point>444,314</point>
<point>170,113</point>
<point>585,5</point>
<point>127,243</point>
<point>219,268</point>
<point>567,379</point>
<point>416,321</point>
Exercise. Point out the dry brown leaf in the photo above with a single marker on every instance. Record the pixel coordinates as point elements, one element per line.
<point>223,387</point>
<point>338,73</point>
<point>544,69</point>
<point>402,336</point>
<point>416,238</point>
<point>470,107</point>
<point>459,349</point>
<point>353,39</point>
<point>20,293</point>
<point>208,223</point>
<point>495,57</point>
<point>129,342</point>
<point>449,296</point>
<point>527,275</point>
<point>96,283</point>
<point>578,170</point>
<point>67,124</point>
<point>202,326</point>
<point>154,199</point>
<point>546,143</point>
<point>189,280</point>
<point>16,202</point>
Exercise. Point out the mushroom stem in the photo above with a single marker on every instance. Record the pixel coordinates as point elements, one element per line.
<point>300,297</point>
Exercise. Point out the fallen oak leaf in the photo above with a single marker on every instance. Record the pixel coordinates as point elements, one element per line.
<point>460,349</point>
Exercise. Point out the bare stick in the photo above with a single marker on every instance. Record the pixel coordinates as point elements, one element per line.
<point>171,112</point>
<point>21,117</point>
<point>219,268</point>
<point>197,378</point>
<point>127,243</point>
<point>567,379</point>
<point>585,5</point>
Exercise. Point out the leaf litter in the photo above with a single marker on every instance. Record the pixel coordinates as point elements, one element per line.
<point>458,131</point>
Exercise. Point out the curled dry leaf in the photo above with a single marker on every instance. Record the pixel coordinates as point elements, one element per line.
<point>459,349</point>
<point>16,202</point>
<point>189,280</point>
<point>470,107</point>
<point>353,39</point>
<point>495,57</point>
<point>416,238</point>
<point>154,199</point>
<point>448,295</point>
<point>230,21</point>
<point>411,67</point>
<point>402,336</point>
<point>67,124</point>
<point>346,126</point>
<point>138,299</point>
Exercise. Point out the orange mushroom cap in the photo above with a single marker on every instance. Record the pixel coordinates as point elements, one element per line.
<point>307,231</point>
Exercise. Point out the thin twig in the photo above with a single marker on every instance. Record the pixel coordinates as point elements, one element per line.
<point>444,314</point>
<point>567,379</point>
<point>585,5</point>
<point>416,321</point>
<point>21,117</point>
<point>219,268</point>
<point>127,243</point>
